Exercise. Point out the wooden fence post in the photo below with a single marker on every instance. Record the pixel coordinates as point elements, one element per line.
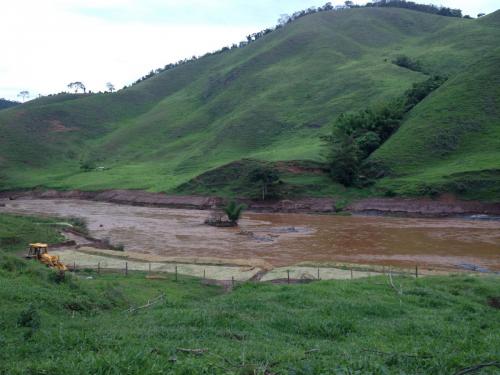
<point>351,274</point>
<point>416,271</point>
<point>149,267</point>
<point>98,268</point>
<point>74,266</point>
<point>232,281</point>
<point>318,274</point>
<point>175,273</point>
<point>288,276</point>
<point>204,274</point>
<point>126,268</point>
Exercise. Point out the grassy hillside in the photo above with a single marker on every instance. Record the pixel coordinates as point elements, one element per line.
<point>269,101</point>
<point>78,325</point>
<point>4,103</point>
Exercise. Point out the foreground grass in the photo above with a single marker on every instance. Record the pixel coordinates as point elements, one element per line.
<point>78,325</point>
<point>16,232</point>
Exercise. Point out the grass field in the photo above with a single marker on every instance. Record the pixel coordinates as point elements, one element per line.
<point>271,101</point>
<point>79,325</point>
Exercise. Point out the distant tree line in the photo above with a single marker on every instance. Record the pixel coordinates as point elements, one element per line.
<point>5,103</point>
<point>286,19</point>
<point>356,135</point>
<point>426,8</point>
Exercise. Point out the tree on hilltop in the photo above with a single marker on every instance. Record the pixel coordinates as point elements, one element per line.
<point>77,86</point>
<point>110,87</point>
<point>24,95</point>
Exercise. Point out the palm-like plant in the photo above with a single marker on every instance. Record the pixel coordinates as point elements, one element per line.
<point>234,211</point>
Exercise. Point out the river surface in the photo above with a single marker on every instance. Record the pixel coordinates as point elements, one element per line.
<point>285,239</point>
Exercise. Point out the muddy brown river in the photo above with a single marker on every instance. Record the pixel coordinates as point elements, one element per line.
<point>285,239</point>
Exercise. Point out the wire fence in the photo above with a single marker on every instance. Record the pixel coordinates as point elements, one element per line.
<point>234,275</point>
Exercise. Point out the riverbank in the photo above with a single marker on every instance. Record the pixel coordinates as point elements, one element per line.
<point>135,321</point>
<point>446,206</point>
<point>280,239</point>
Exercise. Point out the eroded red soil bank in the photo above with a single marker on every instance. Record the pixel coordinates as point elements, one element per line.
<point>445,206</point>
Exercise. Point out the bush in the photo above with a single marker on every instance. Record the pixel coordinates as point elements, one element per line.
<point>79,224</point>
<point>87,165</point>
<point>29,318</point>
<point>11,264</point>
<point>405,62</point>
<point>59,277</point>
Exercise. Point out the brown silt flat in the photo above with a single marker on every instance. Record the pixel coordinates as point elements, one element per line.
<point>285,239</point>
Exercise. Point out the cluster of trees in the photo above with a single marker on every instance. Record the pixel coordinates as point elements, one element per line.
<point>426,8</point>
<point>328,7</point>
<point>408,63</point>
<point>355,136</point>
<point>5,103</point>
<point>267,179</point>
<point>77,86</point>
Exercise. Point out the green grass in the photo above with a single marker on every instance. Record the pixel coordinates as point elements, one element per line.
<point>271,101</point>
<point>438,326</point>
<point>309,179</point>
<point>16,232</point>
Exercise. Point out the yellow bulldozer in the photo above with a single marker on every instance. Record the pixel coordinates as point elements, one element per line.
<point>39,251</point>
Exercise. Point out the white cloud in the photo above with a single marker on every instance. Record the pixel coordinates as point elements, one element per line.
<point>50,46</point>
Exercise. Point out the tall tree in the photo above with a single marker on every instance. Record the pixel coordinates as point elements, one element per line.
<point>110,87</point>
<point>266,177</point>
<point>24,95</point>
<point>77,85</point>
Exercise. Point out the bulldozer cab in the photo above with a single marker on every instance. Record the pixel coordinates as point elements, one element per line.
<point>36,250</point>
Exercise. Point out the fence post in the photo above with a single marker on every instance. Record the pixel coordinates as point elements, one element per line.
<point>232,281</point>
<point>318,274</point>
<point>149,267</point>
<point>416,271</point>
<point>126,268</point>
<point>98,268</point>
<point>175,273</point>
<point>204,274</point>
<point>351,274</point>
<point>288,276</point>
<point>74,266</point>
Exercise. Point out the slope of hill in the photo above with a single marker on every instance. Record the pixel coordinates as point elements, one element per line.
<point>4,103</point>
<point>271,101</point>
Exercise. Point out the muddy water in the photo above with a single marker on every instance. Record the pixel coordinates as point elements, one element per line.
<point>285,239</point>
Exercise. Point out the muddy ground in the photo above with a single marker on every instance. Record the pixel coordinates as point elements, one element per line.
<point>272,240</point>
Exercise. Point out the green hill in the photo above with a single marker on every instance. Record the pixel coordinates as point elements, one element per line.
<point>271,101</point>
<point>4,103</point>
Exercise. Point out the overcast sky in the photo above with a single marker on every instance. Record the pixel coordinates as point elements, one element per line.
<point>48,43</point>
